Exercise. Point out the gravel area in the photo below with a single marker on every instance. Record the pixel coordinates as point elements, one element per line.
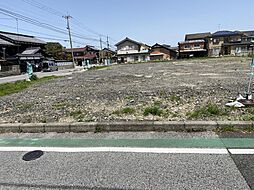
<point>125,92</point>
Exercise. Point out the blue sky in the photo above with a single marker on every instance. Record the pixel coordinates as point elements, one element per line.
<point>148,21</point>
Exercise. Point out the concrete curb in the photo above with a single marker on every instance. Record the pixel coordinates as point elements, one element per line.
<point>144,126</point>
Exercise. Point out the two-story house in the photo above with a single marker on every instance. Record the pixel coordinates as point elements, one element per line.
<point>193,48</point>
<point>195,45</point>
<point>85,55</point>
<point>224,43</point>
<point>129,50</point>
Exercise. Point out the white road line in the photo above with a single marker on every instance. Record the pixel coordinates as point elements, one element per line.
<point>241,151</point>
<point>119,149</point>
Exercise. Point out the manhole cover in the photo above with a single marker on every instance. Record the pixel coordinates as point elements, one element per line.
<point>32,155</point>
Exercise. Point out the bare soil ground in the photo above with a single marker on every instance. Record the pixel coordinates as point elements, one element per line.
<point>176,90</point>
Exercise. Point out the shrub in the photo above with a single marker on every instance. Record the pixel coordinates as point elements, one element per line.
<point>209,110</point>
<point>33,77</point>
<point>127,110</point>
<point>153,110</point>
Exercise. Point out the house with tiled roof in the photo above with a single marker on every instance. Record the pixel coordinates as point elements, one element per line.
<point>129,50</point>
<point>16,51</point>
<point>231,43</point>
<point>162,52</point>
<point>197,36</point>
<point>85,55</point>
<point>195,45</point>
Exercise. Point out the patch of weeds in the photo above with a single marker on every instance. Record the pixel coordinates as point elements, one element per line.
<point>34,77</point>
<point>174,98</point>
<point>78,115</point>
<point>25,106</point>
<point>228,128</point>
<point>250,110</point>
<point>60,105</point>
<point>153,110</point>
<point>250,129</point>
<point>126,111</point>
<point>98,129</point>
<point>209,110</point>
<point>248,117</point>
<point>157,103</point>
<point>129,98</point>
<point>162,93</point>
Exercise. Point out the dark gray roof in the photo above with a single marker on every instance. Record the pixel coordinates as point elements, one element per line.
<point>128,39</point>
<point>20,38</point>
<point>165,46</point>
<point>197,36</point>
<point>31,51</point>
<point>6,43</point>
<point>248,33</point>
<point>225,33</point>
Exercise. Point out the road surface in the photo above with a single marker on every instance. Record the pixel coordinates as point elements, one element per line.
<point>120,161</point>
<point>40,75</point>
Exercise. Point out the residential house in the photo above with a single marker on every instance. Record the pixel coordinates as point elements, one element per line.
<point>85,55</point>
<point>129,50</point>
<point>195,45</point>
<point>162,52</point>
<point>13,47</point>
<point>223,43</point>
<point>247,47</point>
<point>193,48</point>
<point>107,56</point>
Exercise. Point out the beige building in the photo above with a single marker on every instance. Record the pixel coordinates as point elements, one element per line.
<point>131,51</point>
<point>231,43</point>
<point>162,53</point>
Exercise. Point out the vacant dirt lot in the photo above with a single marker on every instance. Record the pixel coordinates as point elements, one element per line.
<point>179,90</point>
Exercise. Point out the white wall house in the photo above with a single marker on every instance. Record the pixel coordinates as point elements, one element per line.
<point>131,51</point>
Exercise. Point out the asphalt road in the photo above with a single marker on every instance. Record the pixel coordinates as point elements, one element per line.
<point>40,75</point>
<point>121,170</point>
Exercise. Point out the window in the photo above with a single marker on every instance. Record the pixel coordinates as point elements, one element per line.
<point>216,41</point>
<point>187,47</point>
<point>197,46</point>
<point>238,49</point>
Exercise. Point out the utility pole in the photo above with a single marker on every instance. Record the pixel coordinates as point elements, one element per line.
<point>101,52</point>
<point>107,51</point>
<point>68,17</point>
<point>101,43</point>
<point>107,42</point>
<point>17,23</point>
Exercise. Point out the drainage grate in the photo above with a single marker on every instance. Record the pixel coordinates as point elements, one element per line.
<point>30,156</point>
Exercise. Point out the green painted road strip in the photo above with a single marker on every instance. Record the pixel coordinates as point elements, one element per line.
<point>143,143</point>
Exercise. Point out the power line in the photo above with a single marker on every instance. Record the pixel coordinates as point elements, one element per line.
<point>43,25</point>
<point>58,13</point>
<point>44,7</point>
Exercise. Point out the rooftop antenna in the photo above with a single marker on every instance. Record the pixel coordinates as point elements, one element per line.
<point>219,27</point>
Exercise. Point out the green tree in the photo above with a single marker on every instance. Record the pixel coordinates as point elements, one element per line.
<point>55,50</point>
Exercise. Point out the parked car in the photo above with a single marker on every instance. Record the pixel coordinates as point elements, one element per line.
<point>49,66</point>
